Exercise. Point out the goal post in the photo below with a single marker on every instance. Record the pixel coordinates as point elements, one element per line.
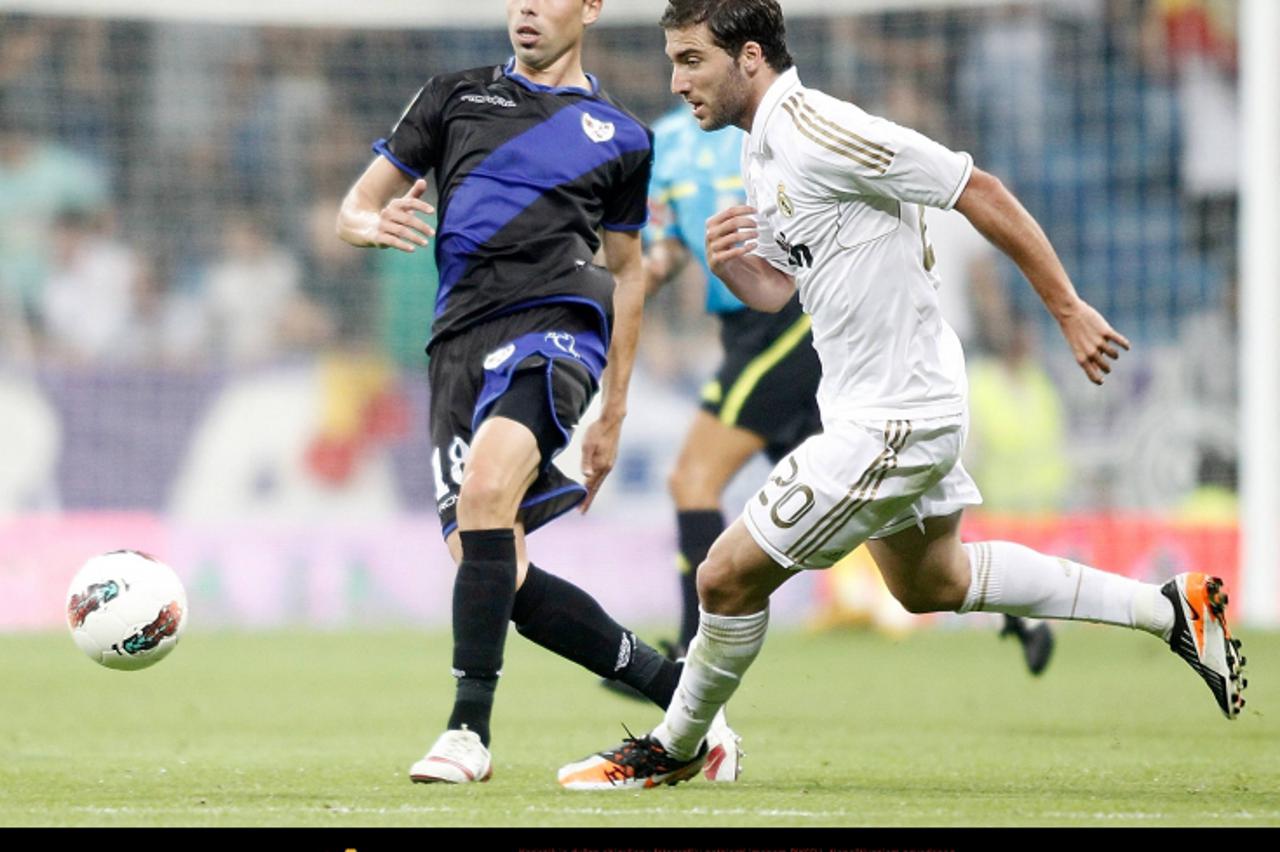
<point>1260,310</point>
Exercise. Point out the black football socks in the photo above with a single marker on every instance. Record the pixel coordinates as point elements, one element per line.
<point>697,530</point>
<point>483,592</point>
<point>563,618</point>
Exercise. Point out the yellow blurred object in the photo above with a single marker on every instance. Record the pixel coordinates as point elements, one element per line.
<point>360,408</point>
<point>1210,504</point>
<point>1017,435</point>
<point>853,594</point>
<point>348,382</point>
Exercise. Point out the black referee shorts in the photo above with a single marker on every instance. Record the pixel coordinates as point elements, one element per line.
<point>539,367</point>
<point>768,380</point>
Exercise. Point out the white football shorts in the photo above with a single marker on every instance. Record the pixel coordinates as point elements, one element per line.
<point>859,480</point>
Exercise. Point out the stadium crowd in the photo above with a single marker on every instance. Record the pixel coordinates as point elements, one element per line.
<point>167,192</point>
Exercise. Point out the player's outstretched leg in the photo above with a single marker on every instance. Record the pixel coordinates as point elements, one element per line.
<point>1201,637</point>
<point>930,572</point>
<point>1035,637</point>
<point>457,757</point>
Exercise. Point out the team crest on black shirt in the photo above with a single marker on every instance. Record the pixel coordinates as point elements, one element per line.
<point>597,131</point>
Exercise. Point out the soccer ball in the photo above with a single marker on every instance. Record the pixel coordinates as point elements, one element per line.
<point>126,609</point>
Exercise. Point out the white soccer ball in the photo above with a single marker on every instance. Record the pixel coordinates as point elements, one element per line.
<point>126,609</point>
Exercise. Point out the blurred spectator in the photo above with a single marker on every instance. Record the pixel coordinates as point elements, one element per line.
<point>39,180</point>
<point>1004,83</point>
<point>1017,434</point>
<point>90,301</point>
<point>1215,499</point>
<point>253,298</point>
<point>31,436</point>
<point>281,100</point>
<point>46,61</point>
<point>1207,347</point>
<point>191,77</point>
<point>338,280</point>
<point>1195,41</point>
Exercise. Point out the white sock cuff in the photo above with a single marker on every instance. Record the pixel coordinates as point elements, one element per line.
<point>733,629</point>
<point>1152,611</point>
<point>983,585</point>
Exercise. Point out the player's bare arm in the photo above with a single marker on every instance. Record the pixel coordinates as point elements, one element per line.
<point>1002,219</point>
<point>600,445</point>
<point>731,241</point>
<point>380,210</point>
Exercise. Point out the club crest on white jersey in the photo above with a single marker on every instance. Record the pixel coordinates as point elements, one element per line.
<point>784,202</point>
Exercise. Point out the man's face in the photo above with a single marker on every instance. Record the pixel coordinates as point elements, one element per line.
<point>541,31</point>
<point>707,77</point>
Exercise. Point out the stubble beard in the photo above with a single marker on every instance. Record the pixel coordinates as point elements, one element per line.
<point>733,99</point>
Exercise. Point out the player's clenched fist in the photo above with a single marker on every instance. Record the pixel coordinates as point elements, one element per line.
<point>731,233</point>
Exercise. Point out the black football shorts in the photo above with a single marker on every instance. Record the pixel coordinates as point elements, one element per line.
<point>768,380</point>
<point>539,367</point>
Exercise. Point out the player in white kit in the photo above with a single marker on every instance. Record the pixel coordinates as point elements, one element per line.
<point>836,210</point>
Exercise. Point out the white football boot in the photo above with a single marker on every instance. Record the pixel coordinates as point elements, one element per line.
<point>724,751</point>
<point>458,757</point>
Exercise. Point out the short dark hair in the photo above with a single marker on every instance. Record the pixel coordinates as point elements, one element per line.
<point>733,23</point>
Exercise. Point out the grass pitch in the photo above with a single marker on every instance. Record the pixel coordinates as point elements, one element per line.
<point>942,728</point>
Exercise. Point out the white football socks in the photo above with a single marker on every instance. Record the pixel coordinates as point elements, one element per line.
<point>1016,580</point>
<point>718,657</point>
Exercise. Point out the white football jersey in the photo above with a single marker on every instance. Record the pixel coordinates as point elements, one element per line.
<point>840,196</point>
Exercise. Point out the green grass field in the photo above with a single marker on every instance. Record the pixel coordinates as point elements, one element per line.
<point>943,728</point>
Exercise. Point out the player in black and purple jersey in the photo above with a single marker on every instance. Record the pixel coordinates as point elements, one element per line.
<point>536,169</point>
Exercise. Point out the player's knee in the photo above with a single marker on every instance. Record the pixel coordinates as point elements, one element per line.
<point>486,493</point>
<point>723,590</point>
<point>716,592</point>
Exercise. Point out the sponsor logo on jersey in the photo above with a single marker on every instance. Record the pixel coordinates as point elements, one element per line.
<point>564,341</point>
<point>596,130</point>
<point>784,202</point>
<point>495,358</point>
<point>491,100</point>
<point>798,254</point>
